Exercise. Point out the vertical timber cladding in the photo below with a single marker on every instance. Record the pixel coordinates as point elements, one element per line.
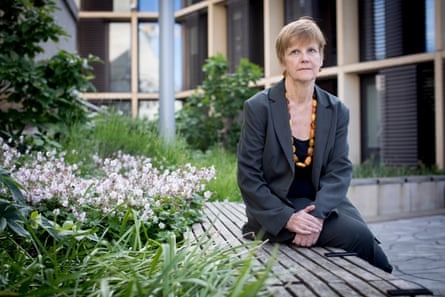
<point>93,35</point>
<point>426,114</point>
<point>399,116</point>
<point>93,39</point>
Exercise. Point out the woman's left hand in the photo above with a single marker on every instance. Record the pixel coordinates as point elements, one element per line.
<point>306,240</point>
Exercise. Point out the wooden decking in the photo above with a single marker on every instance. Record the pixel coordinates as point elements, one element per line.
<point>304,271</point>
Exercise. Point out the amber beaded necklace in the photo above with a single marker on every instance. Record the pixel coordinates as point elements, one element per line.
<point>310,150</point>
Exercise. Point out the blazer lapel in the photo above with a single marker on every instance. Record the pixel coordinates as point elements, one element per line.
<point>322,133</point>
<point>280,118</point>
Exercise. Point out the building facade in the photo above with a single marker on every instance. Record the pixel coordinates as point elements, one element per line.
<point>384,59</point>
<point>66,17</point>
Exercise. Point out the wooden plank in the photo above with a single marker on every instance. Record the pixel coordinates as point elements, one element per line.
<point>328,274</point>
<point>282,269</point>
<point>229,228</point>
<point>282,278</point>
<point>298,271</point>
<point>290,272</point>
<point>356,278</point>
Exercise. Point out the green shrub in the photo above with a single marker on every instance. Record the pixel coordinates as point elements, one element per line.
<point>48,259</point>
<point>211,116</point>
<point>37,96</point>
<point>371,169</point>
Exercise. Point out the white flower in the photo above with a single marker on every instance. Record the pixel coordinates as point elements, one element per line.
<point>130,179</point>
<point>207,194</point>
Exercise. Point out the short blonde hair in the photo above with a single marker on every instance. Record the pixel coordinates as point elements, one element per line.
<point>302,30</point>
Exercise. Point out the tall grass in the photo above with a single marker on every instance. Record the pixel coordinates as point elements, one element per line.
<point>109,133</point>
<point>76,266</point>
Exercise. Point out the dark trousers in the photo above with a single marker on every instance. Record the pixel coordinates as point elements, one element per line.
<point>353,235</point>
<point>344,228</point>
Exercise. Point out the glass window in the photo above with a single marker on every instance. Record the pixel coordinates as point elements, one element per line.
<point>148,52</point>
<point>407,122</point>
<point>148,57</point>
<point>429,18</point>
<point>329,85</point>
<point>122,5</point>
<point>194,49</point>
<point>178,57</point>
<point>153,5</point>
<point>426,113</point>
<point>149,109</point>
<point>379,29</point>
<point>323,12</point>
<point>387,28</point>
<point>119,57</point>
<point>106,5</point>
<point>370,117</point>
<point>245,32</point>
<point>122,105</point>
<point>186,3</point>
<point>93,38</point>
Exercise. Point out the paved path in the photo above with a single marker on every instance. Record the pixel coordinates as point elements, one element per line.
<point>416,248</point>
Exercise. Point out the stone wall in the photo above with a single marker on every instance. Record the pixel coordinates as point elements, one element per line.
<point>383,198</point>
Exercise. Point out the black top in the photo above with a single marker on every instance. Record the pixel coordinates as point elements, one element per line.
<point>302,185</point>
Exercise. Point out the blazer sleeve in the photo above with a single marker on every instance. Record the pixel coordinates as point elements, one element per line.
<point>336,173</point>
<point>261,202</point>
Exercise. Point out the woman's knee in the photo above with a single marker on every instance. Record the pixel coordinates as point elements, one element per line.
<point>345,233</point>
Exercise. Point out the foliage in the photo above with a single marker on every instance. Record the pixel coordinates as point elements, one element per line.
<point>211,116</point>
<point>82,267</point>
<point>224,186</point>
<point>13,208</point>
<point>110,132</point>
<point>122,188</point>
<point>37,96</point>
<point>114,257</point>
<point>370,169</point>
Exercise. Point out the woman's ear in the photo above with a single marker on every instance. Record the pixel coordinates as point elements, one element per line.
<point>283,69</point>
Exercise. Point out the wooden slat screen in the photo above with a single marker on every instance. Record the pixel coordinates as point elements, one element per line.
<point>399,116</point>
<point>93,39</point>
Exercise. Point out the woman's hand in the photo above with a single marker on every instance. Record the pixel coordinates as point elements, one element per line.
<point>306,240</point>
<point>302,222</point>
<point>306,226</point>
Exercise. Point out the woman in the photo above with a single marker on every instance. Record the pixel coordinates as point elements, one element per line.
<point>293,165</point>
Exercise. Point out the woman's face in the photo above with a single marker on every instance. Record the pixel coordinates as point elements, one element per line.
<point>302,61</point>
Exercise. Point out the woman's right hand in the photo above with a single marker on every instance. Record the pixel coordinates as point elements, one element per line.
<point>302,222</point>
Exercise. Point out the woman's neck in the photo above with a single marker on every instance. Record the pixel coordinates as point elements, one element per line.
<point>298,92</point>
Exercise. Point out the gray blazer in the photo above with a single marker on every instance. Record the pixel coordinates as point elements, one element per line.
<point>266,168</point>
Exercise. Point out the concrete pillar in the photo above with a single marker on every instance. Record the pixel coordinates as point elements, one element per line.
<point>166,71</point>
<point>349,84</point>
<point>439,92</point>
<point>273,22</point>
<point>217,26</point>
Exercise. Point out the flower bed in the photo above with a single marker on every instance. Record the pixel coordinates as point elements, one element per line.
<point>166,199</point>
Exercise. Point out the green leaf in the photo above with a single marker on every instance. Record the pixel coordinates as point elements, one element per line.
<point>3,224</point>
<point>13,186</point>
